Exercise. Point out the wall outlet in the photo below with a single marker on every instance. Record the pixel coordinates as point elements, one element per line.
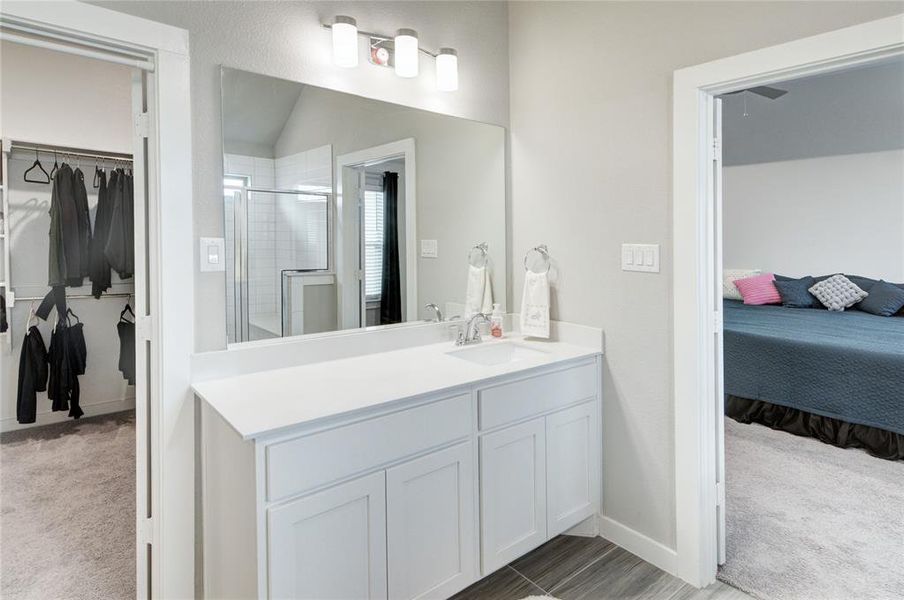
<point>640,257</point>
<point>212,254</point>
<point>429,249</point>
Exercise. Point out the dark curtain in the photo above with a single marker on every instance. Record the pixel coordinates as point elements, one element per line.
<point>391,292</point>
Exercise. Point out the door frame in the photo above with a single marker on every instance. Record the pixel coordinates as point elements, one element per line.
<point>400,149</point>
<point>694,221</point>
<point>164,543</point>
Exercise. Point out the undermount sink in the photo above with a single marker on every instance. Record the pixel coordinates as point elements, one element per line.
<point>496,353</point>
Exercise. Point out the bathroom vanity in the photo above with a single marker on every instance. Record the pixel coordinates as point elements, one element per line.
<point>403,474</point>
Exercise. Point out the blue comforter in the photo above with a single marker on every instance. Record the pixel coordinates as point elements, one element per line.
<point>848,365</point>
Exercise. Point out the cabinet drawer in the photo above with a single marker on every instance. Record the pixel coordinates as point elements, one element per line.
<point>304,463</point>
<point>510,402</point>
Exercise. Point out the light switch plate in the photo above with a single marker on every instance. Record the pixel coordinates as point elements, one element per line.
<point>212,254</point>
<point>429,249</point>
<point>640,257</point>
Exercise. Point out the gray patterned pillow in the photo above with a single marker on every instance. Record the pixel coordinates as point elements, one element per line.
<point>837,293</point>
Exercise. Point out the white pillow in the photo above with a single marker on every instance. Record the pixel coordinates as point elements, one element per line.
<point>729,289</point>
<point>837,293</point>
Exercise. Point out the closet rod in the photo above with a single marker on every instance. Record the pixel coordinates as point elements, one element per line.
<point>76,297</point>
<point>67,151</point>
<point>144,65</point>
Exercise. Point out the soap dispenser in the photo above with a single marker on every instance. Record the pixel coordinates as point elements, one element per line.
<point>496,321</point>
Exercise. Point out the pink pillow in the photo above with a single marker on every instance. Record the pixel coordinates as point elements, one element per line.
<point>759,289</point>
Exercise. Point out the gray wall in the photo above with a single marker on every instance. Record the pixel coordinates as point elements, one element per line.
<point>850,112</point>
<point>460,173</point>
<point>821,169</point>
<point>591,168</point>
<point>285,39</point>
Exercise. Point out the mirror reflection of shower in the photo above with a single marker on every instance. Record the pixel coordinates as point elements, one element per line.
<point>277,244</point>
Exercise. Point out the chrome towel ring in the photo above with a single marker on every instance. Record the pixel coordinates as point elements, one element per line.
<point>477,256</point>
<point>543,251</point>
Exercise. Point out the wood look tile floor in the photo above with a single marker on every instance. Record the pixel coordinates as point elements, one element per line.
<point>580,568</point>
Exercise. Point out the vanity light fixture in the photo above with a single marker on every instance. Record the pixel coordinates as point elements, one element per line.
<point>345,41</point>
<point>447,70</point>
<point>400,52</point>
<point>406,53</point>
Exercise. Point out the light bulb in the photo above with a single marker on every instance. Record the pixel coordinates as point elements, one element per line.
<point>447,70</point>
<point>345,42</point>
<point>406,53</point>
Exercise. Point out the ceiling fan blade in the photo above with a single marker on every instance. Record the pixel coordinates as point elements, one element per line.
<point>768,92</point>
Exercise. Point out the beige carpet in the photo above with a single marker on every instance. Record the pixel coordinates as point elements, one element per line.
<point>67,510</point>
<point>809,521</point>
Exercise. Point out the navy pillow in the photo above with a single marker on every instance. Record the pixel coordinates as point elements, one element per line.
<point>885,299</point>
<point>795,292</point>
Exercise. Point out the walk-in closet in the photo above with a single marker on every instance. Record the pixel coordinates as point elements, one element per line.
<point>67,359</point>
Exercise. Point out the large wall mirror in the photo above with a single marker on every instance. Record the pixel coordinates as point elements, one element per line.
<point>343,212</point>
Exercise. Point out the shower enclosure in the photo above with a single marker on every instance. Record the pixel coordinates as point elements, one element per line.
<point>277,261</point>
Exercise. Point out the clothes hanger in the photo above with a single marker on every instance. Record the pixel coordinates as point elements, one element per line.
<point>56,166</point>
<point>37,164</point>
<point>122,315</point>
<point>69,312</point>
<point>97,173</point>
<point>31,315</point>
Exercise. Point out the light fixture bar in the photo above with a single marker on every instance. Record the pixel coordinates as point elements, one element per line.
<point>380,36</point>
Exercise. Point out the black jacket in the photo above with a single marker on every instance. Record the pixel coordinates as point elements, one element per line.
<point>120,247</point>
<point>32,375</point>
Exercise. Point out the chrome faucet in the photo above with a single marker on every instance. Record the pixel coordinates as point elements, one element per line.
<point>470,334</point>
<point>435,309</point>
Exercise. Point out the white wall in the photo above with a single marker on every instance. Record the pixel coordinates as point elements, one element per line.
<point>817,216</point>
<point>52,98</point>
<point>591,169</point>
<point>285,39</point>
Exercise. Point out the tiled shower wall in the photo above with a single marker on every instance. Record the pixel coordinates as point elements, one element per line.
<point>284,231</point>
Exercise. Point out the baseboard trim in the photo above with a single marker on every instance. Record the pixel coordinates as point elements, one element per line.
<point>637,543</point>
<point>47,418</point>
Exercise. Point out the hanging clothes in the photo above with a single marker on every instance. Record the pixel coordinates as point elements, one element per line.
<point>32,375</point>
<point>83,215</point>
<point>120,246</point>
<point>99,266</point>
<point>67,360</point>
<point>126,330</point>
<point>3,323</point>
<point>70,228</point>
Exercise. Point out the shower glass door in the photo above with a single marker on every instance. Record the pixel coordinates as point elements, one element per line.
<point>271,231</point>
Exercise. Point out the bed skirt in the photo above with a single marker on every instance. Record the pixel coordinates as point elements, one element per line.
<point>878,442</point>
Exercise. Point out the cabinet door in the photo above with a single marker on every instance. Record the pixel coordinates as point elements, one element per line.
<point>331,544</point>
<point>513,493</point>
<point>572,466</point>
<point>431,525</point>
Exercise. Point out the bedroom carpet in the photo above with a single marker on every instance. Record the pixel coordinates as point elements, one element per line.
<point>67,510</point>
<point>807,520</point>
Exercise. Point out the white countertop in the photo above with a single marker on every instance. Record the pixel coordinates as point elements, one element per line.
<point>265,402</point>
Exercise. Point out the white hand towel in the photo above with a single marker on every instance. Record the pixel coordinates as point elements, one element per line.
<point>479,295</point>
<point>535,305</point>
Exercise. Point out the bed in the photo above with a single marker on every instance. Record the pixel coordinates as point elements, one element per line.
<point>838,377</point>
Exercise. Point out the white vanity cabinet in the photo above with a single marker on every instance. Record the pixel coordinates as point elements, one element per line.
<point>331,544</point>
<point>541,475</point>
<point>413,499</point>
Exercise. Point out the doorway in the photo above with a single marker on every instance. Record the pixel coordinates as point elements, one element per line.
<point>376,274</point>
<point>698,318</point>
<point>160,150</point>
